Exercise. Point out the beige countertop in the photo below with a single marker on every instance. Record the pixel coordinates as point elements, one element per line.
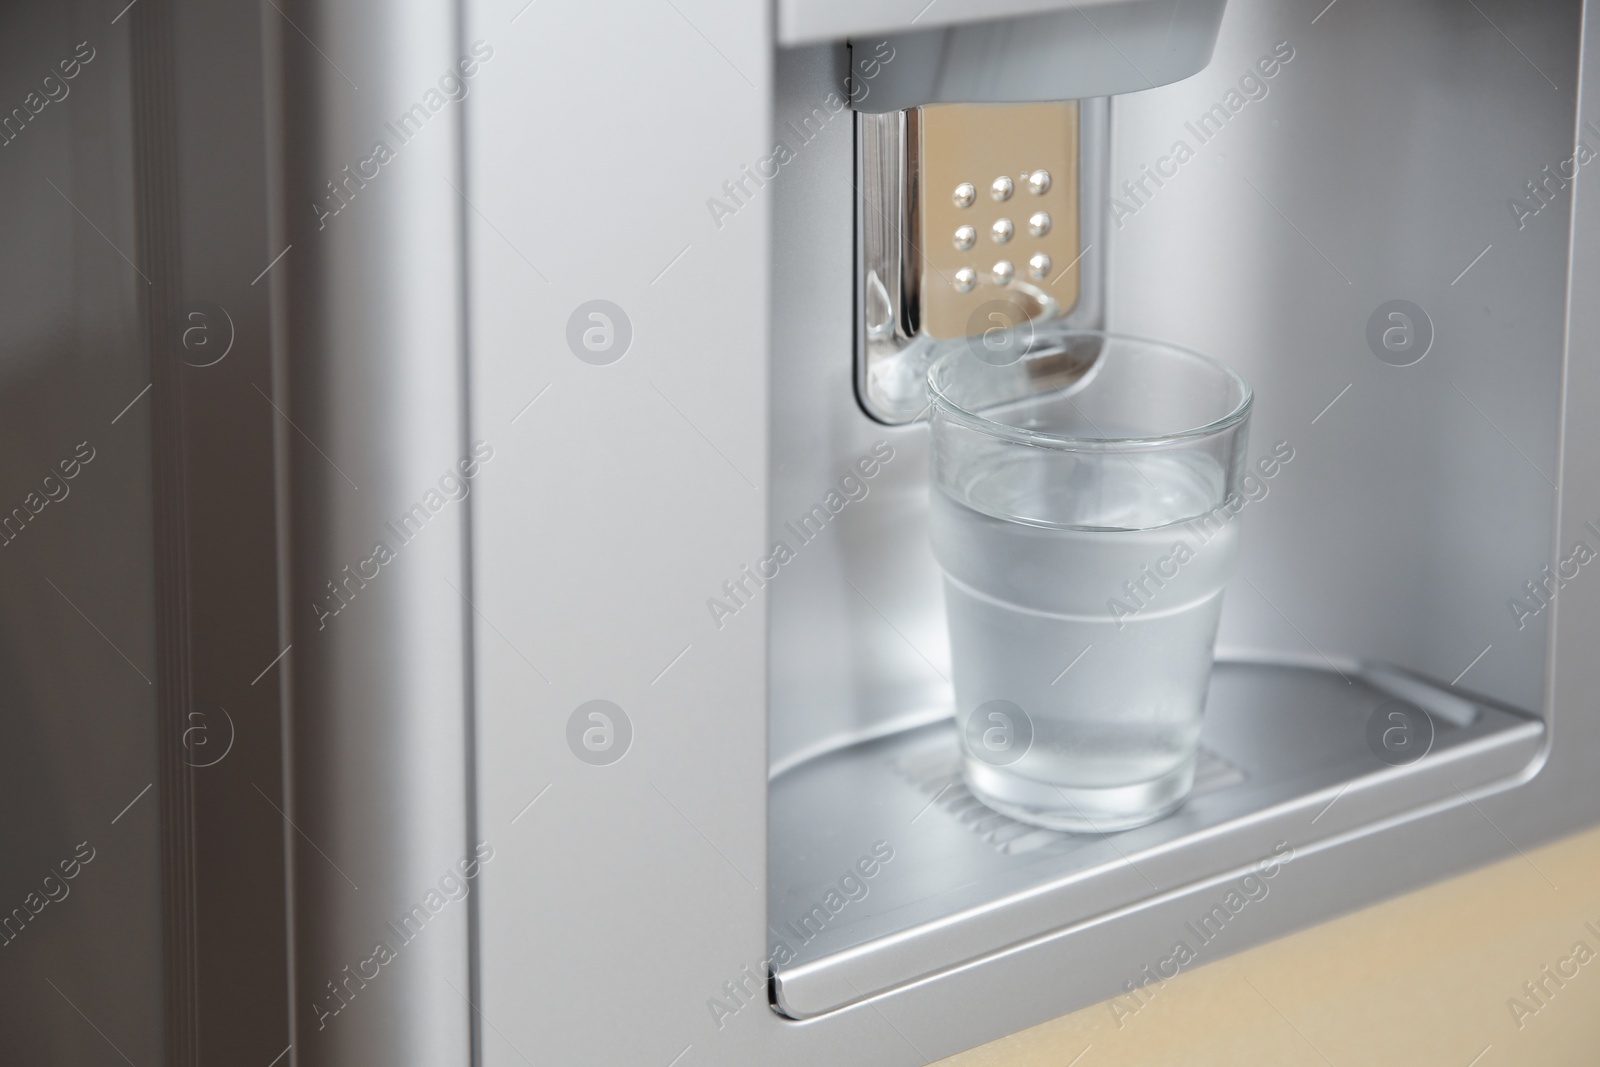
<point>1432,977</point>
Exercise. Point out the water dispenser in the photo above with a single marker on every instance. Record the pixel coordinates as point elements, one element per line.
<point>1317,230</point>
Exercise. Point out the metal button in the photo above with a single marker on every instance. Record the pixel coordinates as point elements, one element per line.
<point>1002,188</point>
<point>1039,182</point>
<point>1039,265</point>
<point>1003,272</point>
<point>1039,223</point>
<point>965,194</point>
<point>965,279</point>
<point>1002,230</point>
<point>965,235</point>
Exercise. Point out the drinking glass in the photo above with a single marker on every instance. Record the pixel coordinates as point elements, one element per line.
<point>1086,524</point>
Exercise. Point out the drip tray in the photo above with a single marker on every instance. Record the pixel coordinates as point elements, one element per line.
<point>884,870</point>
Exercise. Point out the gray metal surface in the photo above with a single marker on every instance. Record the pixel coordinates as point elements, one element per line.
<point>1358,548</point>
<point>801,22</point>
<point>199,127</point>
<point>1125,46</point>
<point>135,340</point>
<point>627,487</point>
<point>368,343</point>
<point>1285,746</point>
<point>603,154</point>
<point>1362,177</point>
<point>631,492</point>
<point>77,707</point>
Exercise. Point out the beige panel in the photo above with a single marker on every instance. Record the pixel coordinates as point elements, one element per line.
<point>978,144</point>
<point>1426,978</point>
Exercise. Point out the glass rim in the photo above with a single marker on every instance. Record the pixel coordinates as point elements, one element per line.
<point>1072,443</point>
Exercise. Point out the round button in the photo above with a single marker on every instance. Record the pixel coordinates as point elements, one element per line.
<point>965,235</point>
<point>1039,265</point>
<point>1002,230</point>
<point>1039,223</point>
<point>1039,182</point>
<point>964,195</point>
<point>1003,272</point>
<point>1002,188</point>
<point>965,279</point>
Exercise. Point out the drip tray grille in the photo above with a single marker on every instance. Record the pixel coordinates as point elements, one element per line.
<point>884,869</point>
<point>937,774</point>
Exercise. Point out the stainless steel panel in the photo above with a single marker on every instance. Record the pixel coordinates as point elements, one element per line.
<point>199,128</point>
<point>81,738</point>
<point>135,160</point>
<point>647,873</point>
<point>1378,166</point>
<point>623,494</point>
<point>850,661</point>
<point>802,22</point>
<point>366,269</point>
<point>1122,47</point>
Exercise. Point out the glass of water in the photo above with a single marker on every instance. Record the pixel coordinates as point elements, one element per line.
<point>1086,524</point>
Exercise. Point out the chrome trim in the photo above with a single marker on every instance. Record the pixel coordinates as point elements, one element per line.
<point>893,351</point>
